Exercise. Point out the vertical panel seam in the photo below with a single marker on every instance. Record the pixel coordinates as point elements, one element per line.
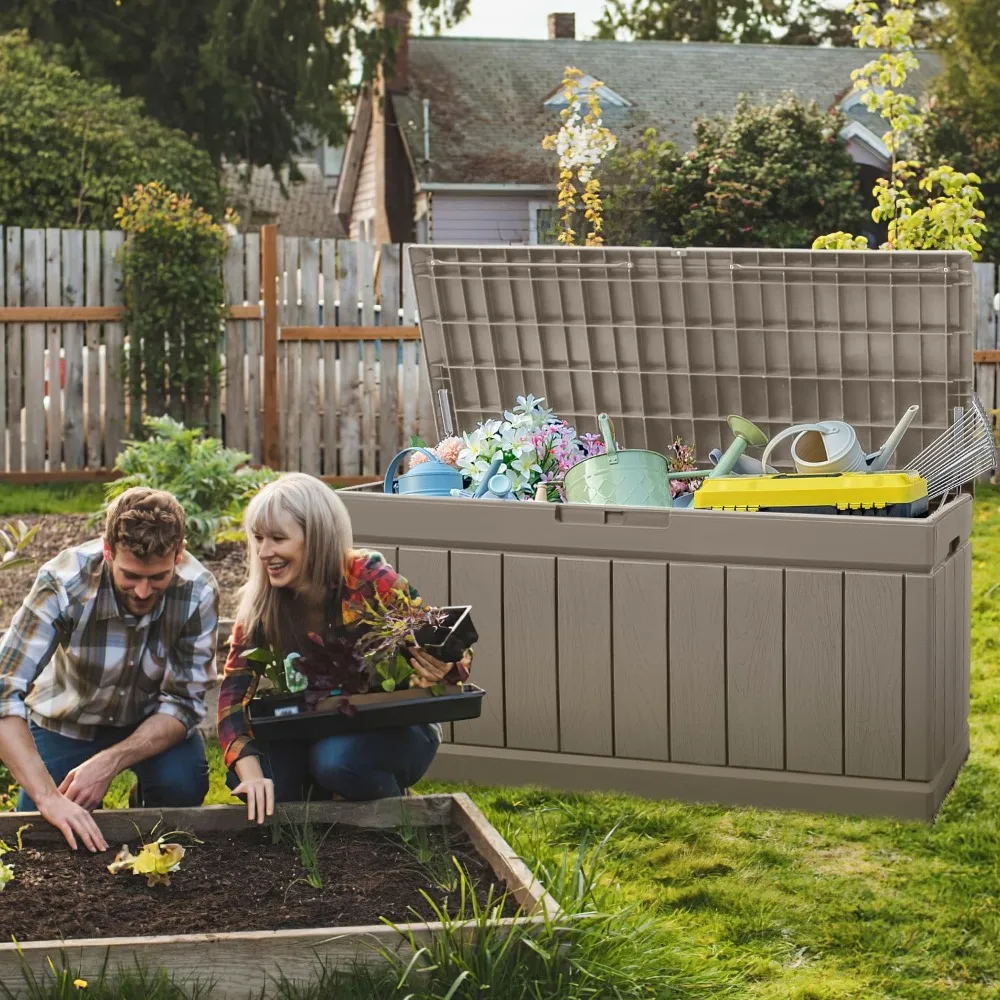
<point>611,650</point>
<point>902,687</point>
<point>503,652</point>
<point>725,661</point>
<point>784,668</point>
<point>843,673</point>
<point>667,657</point>
<point>555,632</point>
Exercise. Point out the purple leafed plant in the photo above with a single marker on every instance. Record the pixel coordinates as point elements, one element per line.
<point>391,627</point>
<point>333,665</point>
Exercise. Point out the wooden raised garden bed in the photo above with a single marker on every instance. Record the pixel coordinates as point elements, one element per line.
<point>239,910</point>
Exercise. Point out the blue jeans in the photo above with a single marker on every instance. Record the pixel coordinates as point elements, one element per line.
<point>355,766</point>
<point>175,778</point>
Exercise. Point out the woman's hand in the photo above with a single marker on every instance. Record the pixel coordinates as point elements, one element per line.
<point>427,669</point>
<point>258,789</point>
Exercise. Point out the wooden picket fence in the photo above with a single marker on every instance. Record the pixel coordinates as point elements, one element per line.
<point>322,373</point>
<point>321,361</point>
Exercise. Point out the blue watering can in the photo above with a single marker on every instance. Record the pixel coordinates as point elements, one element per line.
<point>429,479</point>
<point>483,489</point>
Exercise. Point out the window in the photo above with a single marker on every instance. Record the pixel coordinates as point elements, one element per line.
<point>608,98</point>
<point>543,222</point>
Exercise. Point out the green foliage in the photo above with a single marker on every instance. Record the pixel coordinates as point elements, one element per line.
<point>15,537</point>
<point>804,22</point>
<point>769,176</point>
<point>174,303</point>
<point>8,790</point>
<point>248,79</point>
<point>952,135</point>
<point>970,46</point>
<point>71,148</point>
<point>278,669</point>
<point>211,482</point>
<point>961,125</point>
<point>932,210</point>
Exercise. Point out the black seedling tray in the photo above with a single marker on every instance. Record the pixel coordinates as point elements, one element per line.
<point>449,641</point>
<point>285,718</point>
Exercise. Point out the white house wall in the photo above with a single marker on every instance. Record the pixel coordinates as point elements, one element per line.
<point>363,209</point>
<point>479,218</point>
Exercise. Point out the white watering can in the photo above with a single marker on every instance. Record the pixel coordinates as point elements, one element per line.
<point>832,446</point>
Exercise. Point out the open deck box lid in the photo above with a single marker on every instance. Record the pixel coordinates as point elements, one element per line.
<point>668,342</point>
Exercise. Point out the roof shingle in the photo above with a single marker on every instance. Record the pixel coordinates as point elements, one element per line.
<point>487,119</point>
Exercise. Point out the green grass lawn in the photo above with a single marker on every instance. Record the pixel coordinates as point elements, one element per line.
<point>782,906</point>
<point>62,498</point>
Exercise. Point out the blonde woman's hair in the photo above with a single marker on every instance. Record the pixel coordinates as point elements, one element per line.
<point>328,550</point>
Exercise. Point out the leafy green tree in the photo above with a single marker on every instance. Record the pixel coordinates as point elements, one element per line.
<point>962,126</point>
<point>769,176</point>
<point>952,134</point>
<point>70,148</point>
<point>970,45</point>
<point>805,22</point>
<point>925,208</point>
<point>249,79</point>
<point>693,20</point>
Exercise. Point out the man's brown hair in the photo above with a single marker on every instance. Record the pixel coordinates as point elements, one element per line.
<point>148,523</point>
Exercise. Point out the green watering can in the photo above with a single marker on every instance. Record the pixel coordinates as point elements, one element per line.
<point>642,478</point>
<point>629,478</point>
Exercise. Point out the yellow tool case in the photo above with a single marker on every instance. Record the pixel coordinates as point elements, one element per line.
<point>888,494</point>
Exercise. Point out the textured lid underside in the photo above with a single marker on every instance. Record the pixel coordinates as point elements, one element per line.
<point>669,342</point>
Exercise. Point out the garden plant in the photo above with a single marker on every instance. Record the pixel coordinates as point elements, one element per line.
<point>936,208</point>
<point>212,483</point>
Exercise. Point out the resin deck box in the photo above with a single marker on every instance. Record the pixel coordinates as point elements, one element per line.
<point>793,661</point>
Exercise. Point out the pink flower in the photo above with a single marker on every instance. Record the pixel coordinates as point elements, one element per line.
<point>417,458</point>
<point>448,450</point>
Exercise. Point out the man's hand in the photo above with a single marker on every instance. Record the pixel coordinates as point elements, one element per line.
<point>428,670</point>
<point>87,784</point>
<point>72,821</point>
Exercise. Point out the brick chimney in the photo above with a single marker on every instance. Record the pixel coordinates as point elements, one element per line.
<point>562,26</point>
<point>399,22</point>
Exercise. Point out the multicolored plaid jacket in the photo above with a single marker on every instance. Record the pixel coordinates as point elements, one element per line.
<point>73,660</point>
<point>368,577</point>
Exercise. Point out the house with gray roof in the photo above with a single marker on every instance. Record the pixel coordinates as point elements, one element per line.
<point>300,207</point>
<point>449,150</point>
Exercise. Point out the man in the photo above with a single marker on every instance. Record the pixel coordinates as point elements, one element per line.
<point>105,667</point>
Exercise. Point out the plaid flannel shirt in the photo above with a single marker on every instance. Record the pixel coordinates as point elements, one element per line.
<point>368,576</point>
<point>74,661</point>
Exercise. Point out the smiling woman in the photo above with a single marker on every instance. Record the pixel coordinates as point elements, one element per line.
<point>309,588</point>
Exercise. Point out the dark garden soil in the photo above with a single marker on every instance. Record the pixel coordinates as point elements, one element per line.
<point>236,882</point>
<point>59,531</point>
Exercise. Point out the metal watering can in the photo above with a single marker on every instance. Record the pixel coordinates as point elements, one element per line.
<point>429,479</point>
<point>832,446</point>
<point>619,478</point>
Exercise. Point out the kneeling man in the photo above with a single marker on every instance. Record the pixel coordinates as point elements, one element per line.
<point>105,667</point>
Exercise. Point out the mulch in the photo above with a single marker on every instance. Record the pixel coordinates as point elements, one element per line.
<point>60,531</point>
<point>238,882</point>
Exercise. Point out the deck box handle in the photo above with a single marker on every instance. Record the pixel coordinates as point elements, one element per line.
<point>593,514</point>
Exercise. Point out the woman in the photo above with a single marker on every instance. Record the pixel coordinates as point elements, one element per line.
<point>305,576</point>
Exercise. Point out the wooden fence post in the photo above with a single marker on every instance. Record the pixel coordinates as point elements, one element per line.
<point>269,393</point>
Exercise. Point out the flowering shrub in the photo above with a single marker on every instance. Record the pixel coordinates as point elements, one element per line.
<point>949,219</point>
<point>582,143</point>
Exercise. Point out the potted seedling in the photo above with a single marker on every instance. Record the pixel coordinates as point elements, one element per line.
<point>363,682</point>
